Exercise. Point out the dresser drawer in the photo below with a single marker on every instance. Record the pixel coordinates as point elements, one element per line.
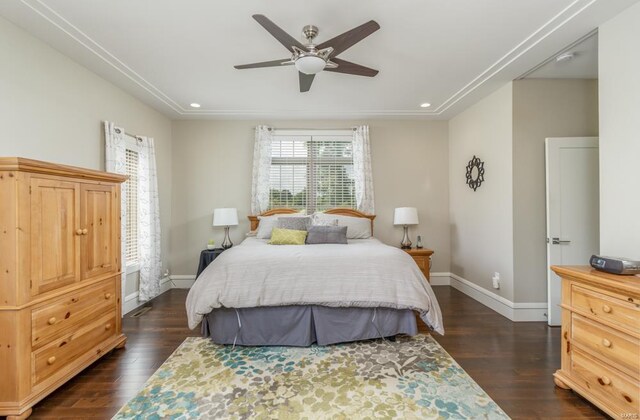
<point>606,308</point>
<point>614,347</point>
<point>605,383</point>
<point>54,356</point>
<point>71,311</point>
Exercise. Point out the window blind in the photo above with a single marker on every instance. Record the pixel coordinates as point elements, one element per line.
<point>314,173</point>
<point>131,191</point>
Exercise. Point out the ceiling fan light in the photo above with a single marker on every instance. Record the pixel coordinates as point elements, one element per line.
<point>310,64</point>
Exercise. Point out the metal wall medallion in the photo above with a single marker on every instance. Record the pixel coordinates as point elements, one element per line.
<point>475,173</point>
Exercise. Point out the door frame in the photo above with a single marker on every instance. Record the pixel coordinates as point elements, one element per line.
<point>549,143</point>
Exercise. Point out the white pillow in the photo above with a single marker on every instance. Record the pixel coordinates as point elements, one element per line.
<point>267,223</point>
<point>357,227</point>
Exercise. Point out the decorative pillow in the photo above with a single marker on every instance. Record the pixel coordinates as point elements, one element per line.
<point>327,235</point>
<point>267,223</point>
<point>295,223</point>
<point>324,221</point>
<point>357,227</point>
<point>287,237</point>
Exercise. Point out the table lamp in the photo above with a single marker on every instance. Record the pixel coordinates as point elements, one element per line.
<point>225,217</point>
<point>405,216</point>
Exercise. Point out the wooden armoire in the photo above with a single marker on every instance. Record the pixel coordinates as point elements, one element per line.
<point>60,276</point>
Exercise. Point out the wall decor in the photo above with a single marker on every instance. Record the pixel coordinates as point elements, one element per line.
<point>475,173</point>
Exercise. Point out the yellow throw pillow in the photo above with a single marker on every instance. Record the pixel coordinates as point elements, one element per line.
<point>287,237</point>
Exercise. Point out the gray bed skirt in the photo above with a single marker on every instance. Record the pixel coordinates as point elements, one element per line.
<point>305,325</point>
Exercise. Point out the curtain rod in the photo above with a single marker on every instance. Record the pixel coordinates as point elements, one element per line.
<point>132,135</point>
<point>313,129</point>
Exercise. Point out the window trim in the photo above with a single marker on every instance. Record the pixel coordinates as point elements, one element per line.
<point>131,143</point>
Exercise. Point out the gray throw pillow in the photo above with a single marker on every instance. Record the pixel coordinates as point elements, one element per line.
<point>327,235</point>
<point>294,223</point>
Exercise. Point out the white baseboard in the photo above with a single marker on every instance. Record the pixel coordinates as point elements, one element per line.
<point>517,312</point>
<point>131,302</point>
<point>440,279</point>
<point>182,281</point>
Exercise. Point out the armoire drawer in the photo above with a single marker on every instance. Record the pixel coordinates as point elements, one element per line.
<point>56,355</point>
<point>614,347</point>
<point>73,310</point>
<point>605,308</point>
<point>606,383</point>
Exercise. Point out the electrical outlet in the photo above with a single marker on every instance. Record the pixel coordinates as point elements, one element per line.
<point>496,280</point>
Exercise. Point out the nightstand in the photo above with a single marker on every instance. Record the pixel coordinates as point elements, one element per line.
<point>206,257</point>
<point>422,257</point>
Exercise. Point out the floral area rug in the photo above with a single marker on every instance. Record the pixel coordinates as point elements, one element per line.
<point>411,378</point>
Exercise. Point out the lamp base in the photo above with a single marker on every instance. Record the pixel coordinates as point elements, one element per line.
<point>406,242</point>
<point>226,244</point>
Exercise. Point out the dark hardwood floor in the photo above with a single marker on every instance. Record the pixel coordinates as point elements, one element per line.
<point>512,362</point>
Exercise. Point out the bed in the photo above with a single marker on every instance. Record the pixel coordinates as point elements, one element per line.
<point>261,294</point>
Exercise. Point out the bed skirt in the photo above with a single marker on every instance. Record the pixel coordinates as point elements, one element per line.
<point>305,325</point>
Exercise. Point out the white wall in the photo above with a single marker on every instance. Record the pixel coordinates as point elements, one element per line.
<point>541,108</point>
<point>619,72</point>
<point>481,222</point>
<point>52,109</point>
<point>213,164</point>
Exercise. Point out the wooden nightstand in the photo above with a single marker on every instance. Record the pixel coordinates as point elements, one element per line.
<point>422,257</point>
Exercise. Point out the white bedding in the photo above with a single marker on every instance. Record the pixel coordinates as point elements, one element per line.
<point>364,273</point>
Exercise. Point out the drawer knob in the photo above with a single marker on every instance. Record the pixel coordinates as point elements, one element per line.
<point>606,342</point>
<point>606,309</point>
<point>604,380</point>
<point>52,320</point>
<point>51,360</point>
<point>107,327</point>
<point>107,295</point>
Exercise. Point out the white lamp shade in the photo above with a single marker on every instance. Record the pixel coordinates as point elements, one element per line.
<point>225,217</point>
<point>405,216</point>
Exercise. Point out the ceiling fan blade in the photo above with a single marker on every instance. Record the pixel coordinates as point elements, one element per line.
<point>348,39</point>
<point>351,68</point>
<point>274,63</point>
<point>284,38</point>
<point>305,81</point>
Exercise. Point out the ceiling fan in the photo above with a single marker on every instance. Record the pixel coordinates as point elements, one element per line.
<point>310,58</point>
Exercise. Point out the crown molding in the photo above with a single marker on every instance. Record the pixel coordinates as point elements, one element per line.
<point>539,35</point>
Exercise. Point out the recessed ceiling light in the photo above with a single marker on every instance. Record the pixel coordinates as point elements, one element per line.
<point>425,105</point>
<point>194,105</point>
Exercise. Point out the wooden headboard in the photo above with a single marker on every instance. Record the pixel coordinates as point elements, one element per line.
<point>340,211</point>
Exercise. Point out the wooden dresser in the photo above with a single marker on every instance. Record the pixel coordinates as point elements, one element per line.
<point>60,307</point>
<point>422,257</point>
<point>601,339</point>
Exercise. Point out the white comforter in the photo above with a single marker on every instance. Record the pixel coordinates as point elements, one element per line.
<point>364,273</point>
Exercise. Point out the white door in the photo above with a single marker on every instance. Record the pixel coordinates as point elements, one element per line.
<point>573,209</point>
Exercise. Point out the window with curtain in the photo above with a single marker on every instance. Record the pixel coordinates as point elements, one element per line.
<point>312,172</point>
<point>130,189</point>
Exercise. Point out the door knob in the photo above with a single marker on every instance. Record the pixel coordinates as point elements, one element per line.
<point>84,231</point>
<point>557,241</point>
<point>79,232</point>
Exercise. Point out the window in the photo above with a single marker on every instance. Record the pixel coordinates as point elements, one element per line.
<point>130,188</point>
<point>312,172</point>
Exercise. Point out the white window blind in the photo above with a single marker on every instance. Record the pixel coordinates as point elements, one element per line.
<point>312,172</point>
<point>131,190</point>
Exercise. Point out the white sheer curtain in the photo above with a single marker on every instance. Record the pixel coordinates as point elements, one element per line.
<point>148,220</point>
<point>362,170</point>
<point>148,206</point>
<point>261,170</point>
<point>115,151</point>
